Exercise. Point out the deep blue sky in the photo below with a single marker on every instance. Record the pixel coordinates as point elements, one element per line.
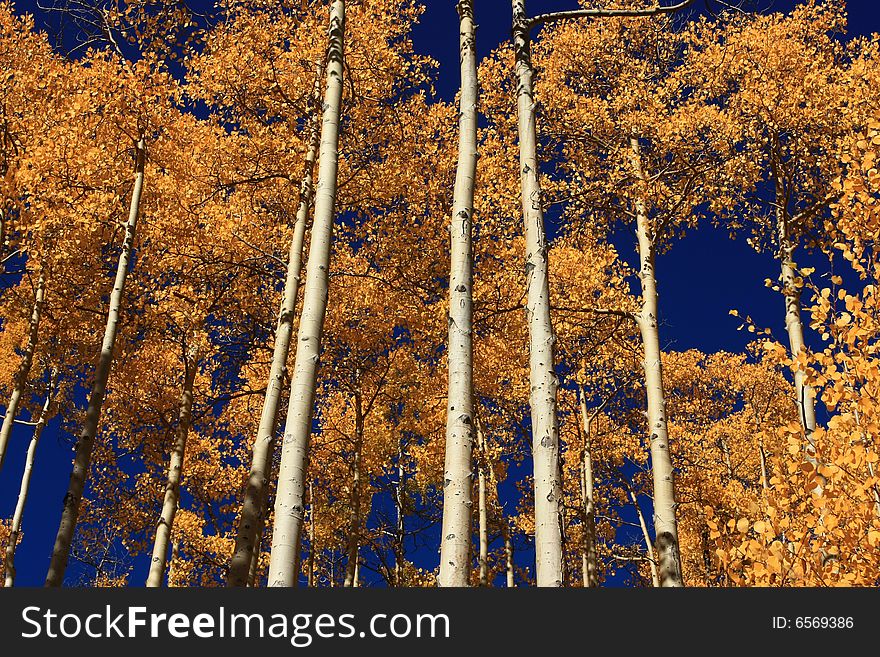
<point>695,303</point>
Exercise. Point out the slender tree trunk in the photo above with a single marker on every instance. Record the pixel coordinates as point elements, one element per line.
<point>458,478</point>
<point>542,375</point>
<point>646,536</point>
<point>508,555</point>
<point>482,467</point>
<point>765,481</point>
<point>665,524</point>
<point>254,507</point>
<point>283,564</point>
<point>82,460</point>
<point>24,367</point>
<point>312,539</point>
<point>15,529</point>
<point>354,519</point>
<point>590,565</point>
<point>401,527</point>
<point>793,324</point>
<point>175,467</point>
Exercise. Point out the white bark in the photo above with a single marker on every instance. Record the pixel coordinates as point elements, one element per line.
<point>483,516</point>
<point>24,367</point>
<point>312,539</point>
<point>589,560</point>
<point>646,536</point>
<point>794,326</point>
<point>455,534</point>
<point>508,556</point>
<point>665,524</point>
<point>24,489</point>
<point>175,468</point>
<point>253,512</point>
<point>765,485</point>
<point>82,460</point>
<point>400,529</point>
<point>283,564</point>
<point>542,375</point>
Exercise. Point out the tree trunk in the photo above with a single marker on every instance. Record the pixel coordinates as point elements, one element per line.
<point>482,467</point>
<point>590,563</point>
<point>793,324</point>
<point>508,555</point>
<point>542,375</point>
<point>82,460</point>
<point>765,481</point>
<point>284,560</point>
<point>354,518</point>
<point>175,467</point>
<point>400,530</point>
<point>458,477</point>
<point>253,511</point>
<point>24,367</point>
<point>312,544</point>
<point>15,529</point>
<point>665,525</point>
<point>646,536</point>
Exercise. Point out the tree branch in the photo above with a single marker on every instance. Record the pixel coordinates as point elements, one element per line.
<point>540,19</point>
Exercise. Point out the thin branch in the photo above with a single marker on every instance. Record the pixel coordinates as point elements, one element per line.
<point>541,19</point>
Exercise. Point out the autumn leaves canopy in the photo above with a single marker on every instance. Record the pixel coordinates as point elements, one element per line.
<point>304,323</point>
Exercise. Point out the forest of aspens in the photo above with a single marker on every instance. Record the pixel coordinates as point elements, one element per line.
<point>276,312</point>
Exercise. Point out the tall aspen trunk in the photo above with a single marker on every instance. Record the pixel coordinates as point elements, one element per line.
<point>284,559</point>
<point>175,467</point>
<point>455,534</point>
<point>483,529</point>
<point>24,489</point>
<point>83,457</point>
<point>24,367</point>
<point>542,375</point>
<point>665,524</point>
<point>354,519</point>
<point>590,564</point>
<point>254,506</point>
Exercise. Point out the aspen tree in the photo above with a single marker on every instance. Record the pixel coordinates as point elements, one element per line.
<point>85,444</point>
<point>24,368</point>
<point>544,383</point>
<point>289,498</point>
<point>455,536</point>
<point>24,489</point>
<point>175,467</point>
<point>508,556</point>
<point>542,375</point>
<point>256,493</point>
<point>665,525</point>
<point>590,565</point>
